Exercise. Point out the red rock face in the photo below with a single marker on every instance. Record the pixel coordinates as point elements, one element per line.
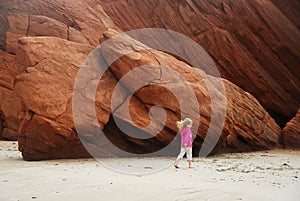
<point>10,104</point>
<point>255,44</point>
<point>55,140</point>
<point>47,130</point>
<point>247,125</point>
<point>61,19</point>
<point>291,133</point>
<point>45,88</point>
<point>290,9</point>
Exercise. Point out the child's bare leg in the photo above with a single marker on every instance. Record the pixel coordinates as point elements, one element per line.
<point>176,163</point>
<point>190,163</point>
<point>179,157</point>
<point>189,156</point>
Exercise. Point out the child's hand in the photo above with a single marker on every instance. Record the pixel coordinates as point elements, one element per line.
<point>185,145</point>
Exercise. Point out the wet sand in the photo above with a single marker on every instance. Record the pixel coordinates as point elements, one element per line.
<point>265,175</point>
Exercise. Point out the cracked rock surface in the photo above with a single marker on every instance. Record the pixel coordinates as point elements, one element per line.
<point>43,43</point>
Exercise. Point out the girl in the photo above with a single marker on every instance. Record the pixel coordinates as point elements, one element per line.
<point>186,141</point>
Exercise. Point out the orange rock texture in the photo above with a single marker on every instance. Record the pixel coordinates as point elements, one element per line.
<point>291,134</point>
<point>254,44</point>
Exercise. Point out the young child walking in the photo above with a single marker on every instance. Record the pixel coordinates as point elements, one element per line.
<point>186,141</point>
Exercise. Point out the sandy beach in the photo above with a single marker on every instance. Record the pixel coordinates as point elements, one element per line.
<point>266,175</point>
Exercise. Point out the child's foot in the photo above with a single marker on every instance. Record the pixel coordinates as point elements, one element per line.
<point>191,167</point>
<point>176,166</point>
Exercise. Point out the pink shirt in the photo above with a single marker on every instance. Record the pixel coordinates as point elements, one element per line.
<point>186,137</point>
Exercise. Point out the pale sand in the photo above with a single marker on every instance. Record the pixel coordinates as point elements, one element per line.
<point>266,176</point>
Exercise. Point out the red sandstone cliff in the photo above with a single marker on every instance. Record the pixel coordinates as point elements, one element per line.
<point>255,45</point>
<point>61,19</point>
<point>47,131</point>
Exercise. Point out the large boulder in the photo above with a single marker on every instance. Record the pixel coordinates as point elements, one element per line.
<point>291,133</point>
<point>247,125</point>
<point>46,87</point>
<point>61,19</point>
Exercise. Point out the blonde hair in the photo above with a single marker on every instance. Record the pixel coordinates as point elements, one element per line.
<point>183,123</point>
